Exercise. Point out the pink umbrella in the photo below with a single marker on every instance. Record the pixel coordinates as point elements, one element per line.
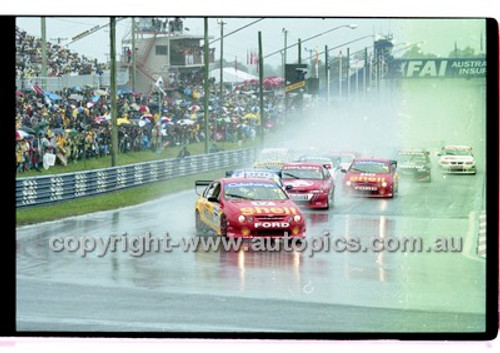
<point>194,108</point>
<point>143,109</point>
<point>165,119</point>
<point>20,134</point>
<point>147,116</point>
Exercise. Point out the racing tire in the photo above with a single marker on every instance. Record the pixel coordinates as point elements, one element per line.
<point>200,228</point>
<point>295,242</point>
<point>331,199</point>
<point>223,225</point>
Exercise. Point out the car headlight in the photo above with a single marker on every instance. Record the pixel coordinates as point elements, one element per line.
<point>242,218</point>
<point>289,219</point>
<point>297,218</point>
<point>348,183</point>
<point>250,218</point>
<point>384,184</point>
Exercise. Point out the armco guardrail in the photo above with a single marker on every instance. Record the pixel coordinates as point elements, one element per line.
<point>62,187</point>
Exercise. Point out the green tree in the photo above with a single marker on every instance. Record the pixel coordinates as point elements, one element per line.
<point>467,52</point>
<point>416,53</point>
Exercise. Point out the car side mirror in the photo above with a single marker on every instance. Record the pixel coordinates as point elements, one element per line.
<point>327,166</point>
<point>288,187</point>
<point>439,154</point>
<point>213,199</point>
<point>342,170</point>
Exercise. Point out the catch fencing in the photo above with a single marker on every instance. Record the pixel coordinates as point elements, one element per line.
<point>34,191</point>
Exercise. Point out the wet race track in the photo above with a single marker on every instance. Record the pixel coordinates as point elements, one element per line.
<point>275,291</point>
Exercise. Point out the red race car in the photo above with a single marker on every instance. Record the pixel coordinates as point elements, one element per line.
<point>310,185</point>
<point>247,207</point>
<point>371,178</point>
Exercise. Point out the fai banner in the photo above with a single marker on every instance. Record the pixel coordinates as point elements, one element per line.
<point>439,68</point>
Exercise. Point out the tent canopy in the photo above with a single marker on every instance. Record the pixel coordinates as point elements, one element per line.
<point>231,75</point>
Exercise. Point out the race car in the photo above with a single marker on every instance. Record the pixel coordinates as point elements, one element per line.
<point>247,208</point>
<point>414,164</point>
<point>310,185</point>
<point>328,162</point>
<point>344,158</point>
<point>457,159</point>
<point>256,173</point>
<point>272,158</point>
<point>371,178</point>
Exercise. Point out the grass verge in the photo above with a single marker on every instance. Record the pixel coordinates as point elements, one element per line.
<point>111,200</point>
<point>133,157</point>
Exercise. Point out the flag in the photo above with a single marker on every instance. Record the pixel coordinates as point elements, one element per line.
<point>159,84</point>
<point>37,89</point>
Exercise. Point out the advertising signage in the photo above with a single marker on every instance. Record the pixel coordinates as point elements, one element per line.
<point>439,68</point>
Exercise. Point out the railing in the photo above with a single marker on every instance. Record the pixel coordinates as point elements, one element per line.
<point>48,189</point>
<point>54,84</point>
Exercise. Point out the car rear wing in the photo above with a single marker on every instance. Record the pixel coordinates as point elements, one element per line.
<point>203,183</point>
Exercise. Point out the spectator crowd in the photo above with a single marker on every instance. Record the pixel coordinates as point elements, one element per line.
<point>75,123</point>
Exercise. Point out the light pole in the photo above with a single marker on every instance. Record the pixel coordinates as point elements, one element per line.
<point>205,82</point>
<point>285,32</point>
<point>114,126</point>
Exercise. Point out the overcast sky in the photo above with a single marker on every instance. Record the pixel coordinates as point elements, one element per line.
<point>435,36</point>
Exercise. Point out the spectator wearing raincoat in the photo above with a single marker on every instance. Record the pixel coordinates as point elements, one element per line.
<point>62,149</point>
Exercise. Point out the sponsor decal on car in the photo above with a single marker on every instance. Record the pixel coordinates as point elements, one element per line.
<point>299,183</point>
<point>249,211</point>
<point>364,178</point>
<point>250,184</point>
<point>365,188</point>
<point>263,203</point>
<point>271,225</point>
<point>302,167</point>
<point>300,197</point>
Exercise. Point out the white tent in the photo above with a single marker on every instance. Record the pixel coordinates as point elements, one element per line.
<point>231,75</point>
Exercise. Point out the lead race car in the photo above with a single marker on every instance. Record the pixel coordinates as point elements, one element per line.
<point>248,208</point>
<point>309,184</point>
<point>371,178</point>
<point>457,159</point>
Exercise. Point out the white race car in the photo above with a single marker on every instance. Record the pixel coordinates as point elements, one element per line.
<point>272,158</point>
<point>457,159</point>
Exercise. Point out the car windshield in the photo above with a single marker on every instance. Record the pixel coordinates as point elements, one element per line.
<point>302,173</point>
<point>369,167</point>
<point>412,157</point>
<point>256,174</point>
<point>241,191</point>
<point>457,152</point>
<point>315,160</point>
